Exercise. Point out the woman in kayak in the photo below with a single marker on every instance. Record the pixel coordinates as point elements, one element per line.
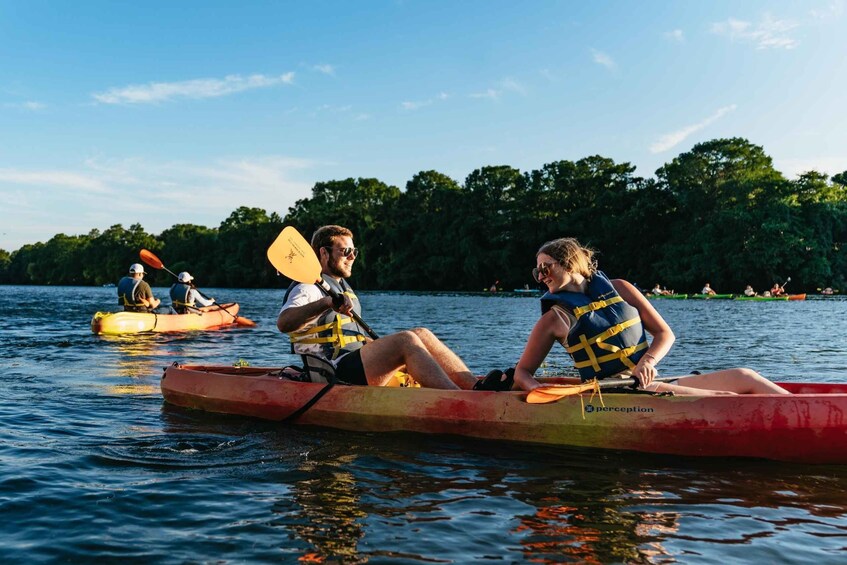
<point>602,323</point>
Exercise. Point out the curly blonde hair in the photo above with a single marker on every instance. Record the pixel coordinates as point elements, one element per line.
<point>573,256</point>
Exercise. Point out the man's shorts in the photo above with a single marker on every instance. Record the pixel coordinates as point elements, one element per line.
<point>350,369</point>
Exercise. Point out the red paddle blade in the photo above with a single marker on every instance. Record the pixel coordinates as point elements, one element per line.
<point>246,322</point>
<point>151,259</point>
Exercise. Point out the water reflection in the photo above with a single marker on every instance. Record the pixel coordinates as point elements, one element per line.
<point>323,510</point>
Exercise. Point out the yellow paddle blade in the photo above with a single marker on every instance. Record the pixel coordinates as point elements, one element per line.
<point>291,255</point>
<point>545,394</point>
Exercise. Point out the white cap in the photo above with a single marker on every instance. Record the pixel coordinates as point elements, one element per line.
<point>136,268</point>
<point>185,277</point>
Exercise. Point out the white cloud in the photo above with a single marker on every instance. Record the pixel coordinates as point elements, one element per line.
<point>513,86</point>
<point>833,10</point>
<point>154,92</point>
<point>325,69</point>
<point>768,33</point>
<point>30,105</point>
<point>548,74</point>
<point>602,59</point>
<point>793,167</point>
<point>59,179</point>
<point>673,139</point>
<point>417,104</point>
<point>490,94</point>
<point>675,35</point>
<point>156,194</point>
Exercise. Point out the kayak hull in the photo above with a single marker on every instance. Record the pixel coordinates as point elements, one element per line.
<point>119,323</point>
<point>808,426</point>
<point>784,297</point>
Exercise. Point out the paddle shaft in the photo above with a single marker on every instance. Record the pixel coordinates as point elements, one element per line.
<point>632,382</point>
<point>554,393</point>
<point>156,263</point>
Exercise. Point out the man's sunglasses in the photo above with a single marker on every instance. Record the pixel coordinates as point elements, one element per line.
<point>346,251</point>
<point>541,271</point>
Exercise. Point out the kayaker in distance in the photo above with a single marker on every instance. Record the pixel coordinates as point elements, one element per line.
<point>707,290</point>
<point>659,291</point>
<point>582,304</point>
<point>777,290</point>
<point>318,327</point>
<point>749,291</point>
<point>184,295</point>
<point>134,294</point>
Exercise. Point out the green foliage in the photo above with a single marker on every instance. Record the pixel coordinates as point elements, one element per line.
<point>719,213</point>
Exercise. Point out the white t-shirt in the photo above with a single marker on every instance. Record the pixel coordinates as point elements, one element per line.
<point>301,295</point>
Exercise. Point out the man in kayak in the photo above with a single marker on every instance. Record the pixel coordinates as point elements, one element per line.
<point>707,289</point>
<point>134,294</point>
<point>317,326</point>
<point>749,291</point>
<point>184,295</point>
<point>659,291</point>
<point>603,323</point>
<point>777,290</point>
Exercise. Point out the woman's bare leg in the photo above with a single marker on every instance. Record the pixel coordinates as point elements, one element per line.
<point>738,381</point>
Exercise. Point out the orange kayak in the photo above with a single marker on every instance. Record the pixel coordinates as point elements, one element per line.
<point>135,322</point>
<point>808,426</point>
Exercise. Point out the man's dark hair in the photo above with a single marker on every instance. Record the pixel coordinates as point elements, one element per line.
<point>323,236</point>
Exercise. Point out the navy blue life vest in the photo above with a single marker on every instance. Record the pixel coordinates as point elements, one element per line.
<point>334,332</point>
<point>608,336</point>
<point>127,287</point>
<point>179,297</point>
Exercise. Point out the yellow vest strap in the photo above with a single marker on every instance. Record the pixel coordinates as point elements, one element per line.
<point>612,331</point>
<point>596,306</point>
<point>621,355</point>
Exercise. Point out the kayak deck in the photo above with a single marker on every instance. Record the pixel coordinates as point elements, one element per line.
<point>808,426</point>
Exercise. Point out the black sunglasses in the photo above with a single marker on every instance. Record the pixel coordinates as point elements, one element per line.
<point>346,251</point>
<point>541,271</point>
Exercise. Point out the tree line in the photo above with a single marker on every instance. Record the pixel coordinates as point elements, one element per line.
<point>719,213</point>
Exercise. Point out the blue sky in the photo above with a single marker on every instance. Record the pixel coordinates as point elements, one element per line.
<point>161,113</point>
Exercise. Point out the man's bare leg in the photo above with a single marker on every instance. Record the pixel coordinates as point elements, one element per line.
<point>382,358</point>
<point>446,358</point>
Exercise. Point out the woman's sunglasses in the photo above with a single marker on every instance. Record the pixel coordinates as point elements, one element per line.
<point>541,271</point>
<point>346,251</point>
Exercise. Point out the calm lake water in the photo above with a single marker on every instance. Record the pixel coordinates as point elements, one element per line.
<point>96,467</point>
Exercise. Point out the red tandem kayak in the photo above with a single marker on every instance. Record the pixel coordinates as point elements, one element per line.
<point>135,322</point>
<point>809,426</point>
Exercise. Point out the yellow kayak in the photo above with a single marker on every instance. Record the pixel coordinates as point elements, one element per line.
<point>214,316</point>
